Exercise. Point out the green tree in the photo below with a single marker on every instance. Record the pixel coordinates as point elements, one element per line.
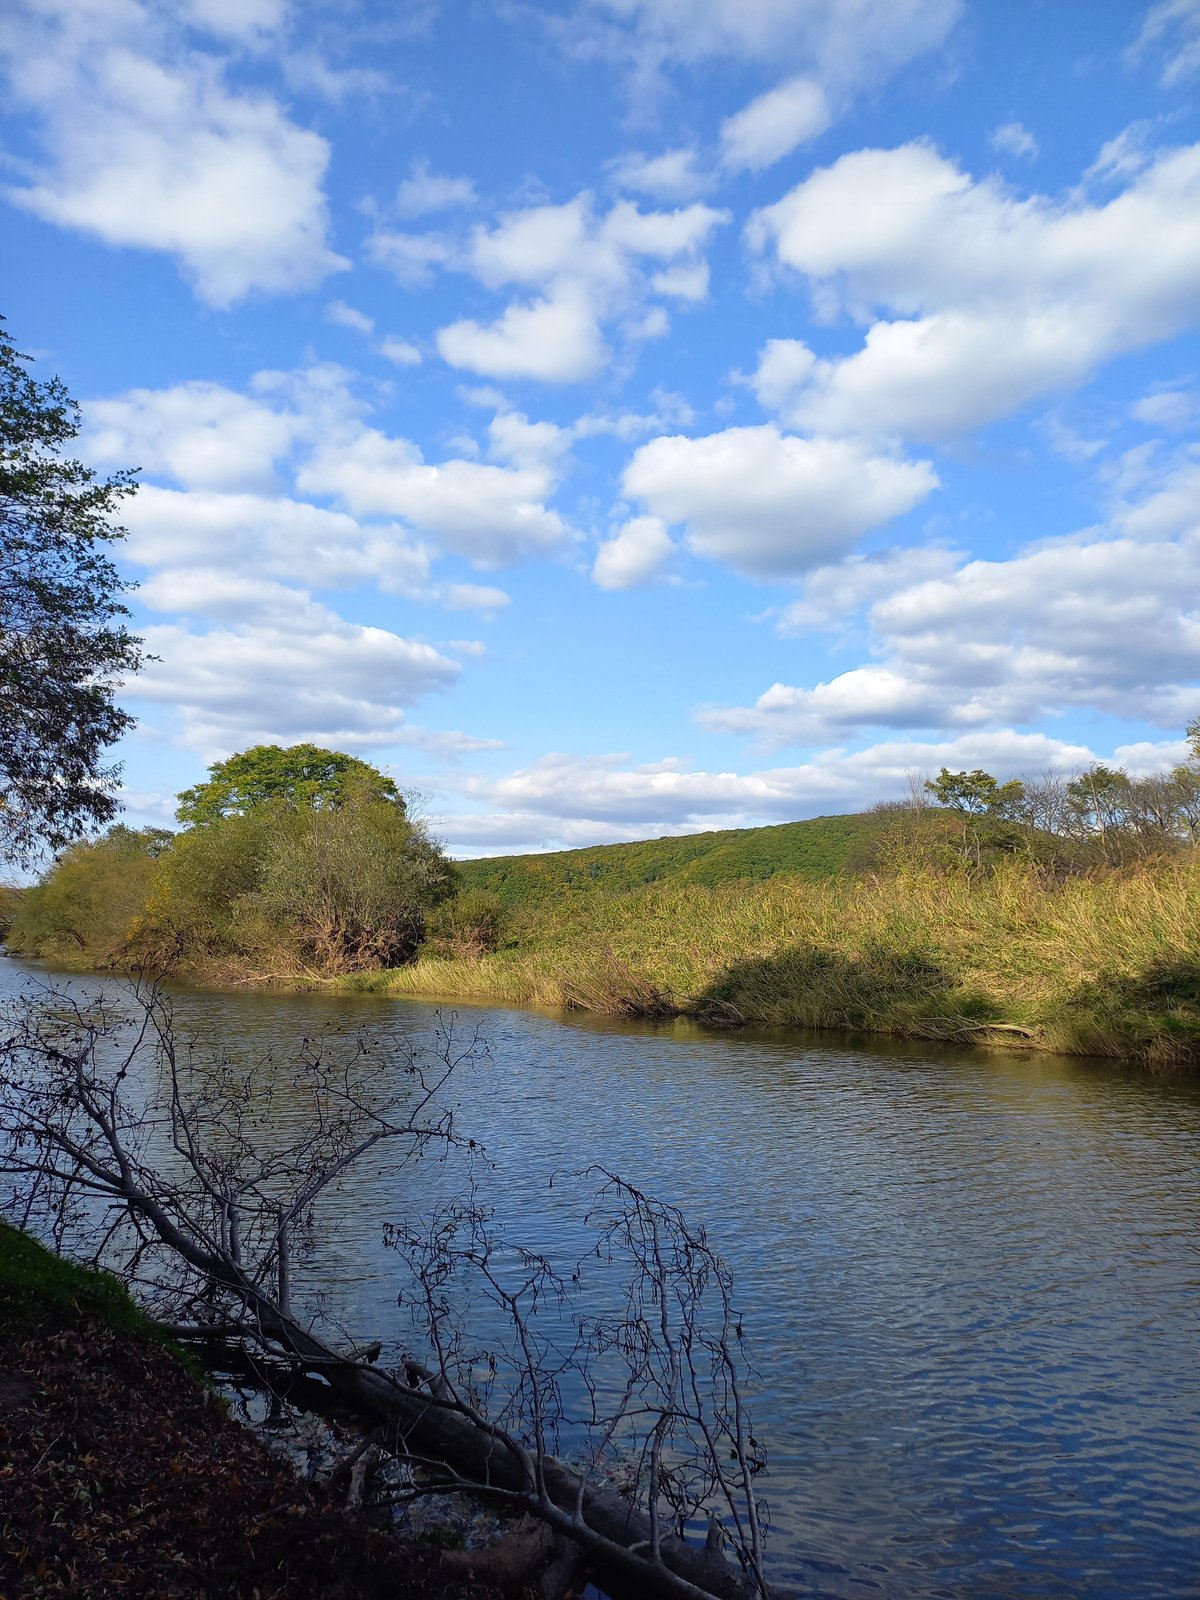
<point>64,647</point>
<point>987,808</point>
<point>301,775</point>
<point>87,907</point>
<point>976,794</point>
<point>350,886</point>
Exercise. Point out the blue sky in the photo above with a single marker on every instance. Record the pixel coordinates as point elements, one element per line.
<point>626,417</point>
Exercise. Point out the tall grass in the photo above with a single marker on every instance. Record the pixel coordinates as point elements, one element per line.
<point>1106,965</point>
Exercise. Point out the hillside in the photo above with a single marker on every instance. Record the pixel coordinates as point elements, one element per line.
<point>825,847</point>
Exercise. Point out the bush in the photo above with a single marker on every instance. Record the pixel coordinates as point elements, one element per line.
<point>282,889</point>
<point>471,924</point>
<point>351,886</point>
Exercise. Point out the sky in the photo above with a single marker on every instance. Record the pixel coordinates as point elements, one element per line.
<point>617,418</point>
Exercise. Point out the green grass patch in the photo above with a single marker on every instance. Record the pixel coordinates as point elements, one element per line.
<point>38,1287</point>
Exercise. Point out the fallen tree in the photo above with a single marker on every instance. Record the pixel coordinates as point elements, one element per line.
<point>171,1168</point>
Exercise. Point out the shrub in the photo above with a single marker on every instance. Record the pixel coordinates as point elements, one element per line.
<point>471,924</point>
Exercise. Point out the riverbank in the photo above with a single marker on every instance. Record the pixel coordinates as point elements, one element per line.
<point>121,1475</point>
<point>1099,965</point>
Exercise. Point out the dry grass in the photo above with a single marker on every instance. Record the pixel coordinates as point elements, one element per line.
<point>1102,965</point>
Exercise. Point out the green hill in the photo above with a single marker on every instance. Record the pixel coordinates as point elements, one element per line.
<point>825,847</point>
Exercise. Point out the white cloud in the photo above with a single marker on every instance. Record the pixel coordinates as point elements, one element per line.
<point>162,155</point>
<point>400,352</point>
<point>344,316</point>
<point>1068,442</point>
<point>769,504</point>
<point>1173,409</point>
<point>671,411</point>
<point>634,555</point>
<point>772,126</point>
<point>270,536</point>
<point>673,175</point>
<point>589,269</point>
<point>835,595</point>
<point>1170,498</point>
<point>846,43</point>
<point>995,299</point>
<point>1109,624</point>
<point>410,257</point>
<point>1172,29</point>
<point>1125,154</point>
<point>683,283</point>
<point>492,515</point>
<point>1014,139</point>
<point>302,673</point>
<point>476,597</point>
<point>556,339</point>
<point>424,191</point>
<point>225,449</point>
<point>576,799</point>
<point>244,21</point>
<point>204,435</point>
<point>784,366</point>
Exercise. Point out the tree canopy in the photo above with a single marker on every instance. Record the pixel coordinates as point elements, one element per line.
<point>64,647</point>
<point>300,775</point>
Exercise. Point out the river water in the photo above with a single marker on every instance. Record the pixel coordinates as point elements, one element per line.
<point>971,1282</point>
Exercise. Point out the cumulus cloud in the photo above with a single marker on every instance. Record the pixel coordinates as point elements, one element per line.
<point>344,316</point>
<point>399,352</point>
<point>226,450</point>
<point>770,504</point>
<point>1110,624</point>
<point>493,515</point>
<point>271,536</point>
<point>834,596</point>
<point>299,672</point>
<point>634,555</point>
<point>1174,410</point>
<point>245,21</point>
<point>155,151</point>
<point>411,258</point>
<point>564,799</point>
<point>204,435</point>
<point>772,126</point>
<point>589,269</point>
<point>994,299</point>
<point>555,338</point>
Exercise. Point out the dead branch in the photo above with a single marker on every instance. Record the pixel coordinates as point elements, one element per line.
<point>172,1164</point>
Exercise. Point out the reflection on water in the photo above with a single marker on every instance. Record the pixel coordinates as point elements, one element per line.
<point>972,1282</point>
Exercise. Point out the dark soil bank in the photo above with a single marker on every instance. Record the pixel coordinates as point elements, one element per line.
<point>121,1476</point>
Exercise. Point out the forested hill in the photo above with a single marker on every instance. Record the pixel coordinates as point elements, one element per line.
<point>824,847</point>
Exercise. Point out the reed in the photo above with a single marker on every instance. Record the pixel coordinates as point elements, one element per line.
<point>1101,965</point>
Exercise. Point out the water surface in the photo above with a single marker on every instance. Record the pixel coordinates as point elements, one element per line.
<point>971,1281</point>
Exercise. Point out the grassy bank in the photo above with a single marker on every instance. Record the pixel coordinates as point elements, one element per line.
<point>1101,965</point>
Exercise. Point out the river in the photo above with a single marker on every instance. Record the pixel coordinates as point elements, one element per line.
<point>971,1282</point>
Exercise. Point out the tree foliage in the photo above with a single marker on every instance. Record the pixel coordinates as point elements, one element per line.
<point>299,775</point>
<point>64,647</point>
<point>86,907</point>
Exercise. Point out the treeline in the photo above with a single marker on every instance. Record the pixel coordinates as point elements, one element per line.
<point>1099,819</point>
<point>293,863</point>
